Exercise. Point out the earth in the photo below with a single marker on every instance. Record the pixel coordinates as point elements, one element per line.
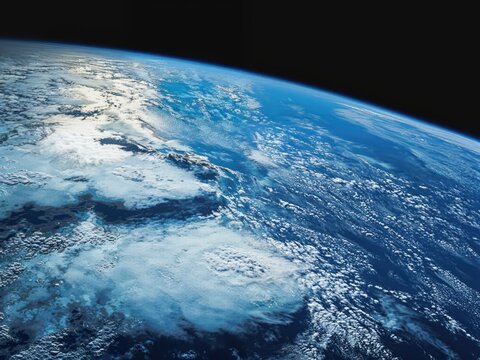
<point>155,208</point>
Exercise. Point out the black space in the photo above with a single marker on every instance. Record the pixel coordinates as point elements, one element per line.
<point>419,60</point>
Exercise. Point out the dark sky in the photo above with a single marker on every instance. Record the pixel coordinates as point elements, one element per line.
<point>419,60</point>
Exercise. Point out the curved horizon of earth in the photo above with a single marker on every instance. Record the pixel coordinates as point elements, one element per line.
<point>155,208</point>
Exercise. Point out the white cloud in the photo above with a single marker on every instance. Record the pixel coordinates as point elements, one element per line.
<point>201,275</point>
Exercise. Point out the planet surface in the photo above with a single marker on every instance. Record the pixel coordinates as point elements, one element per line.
<point>155,208</point>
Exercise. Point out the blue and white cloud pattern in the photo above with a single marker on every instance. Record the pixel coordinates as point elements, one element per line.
<point>154,198</point>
